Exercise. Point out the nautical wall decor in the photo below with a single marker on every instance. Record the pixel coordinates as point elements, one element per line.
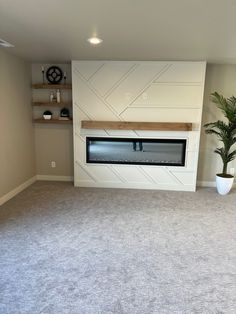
<point>54,75</point>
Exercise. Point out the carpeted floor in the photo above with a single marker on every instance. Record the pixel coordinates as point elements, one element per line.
<point>99,251</point>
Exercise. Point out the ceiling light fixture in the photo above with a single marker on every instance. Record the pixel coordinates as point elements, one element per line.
<point>5,44</point>
<point>95,40</point>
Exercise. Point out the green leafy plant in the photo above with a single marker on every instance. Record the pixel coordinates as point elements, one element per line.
<point>225,131</point>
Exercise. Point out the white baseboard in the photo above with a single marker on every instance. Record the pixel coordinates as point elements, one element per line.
<point>206,184</point>
<point>26,184</point>
<point>54,178</point>
<point>17,190</point>
<point>209,184</point>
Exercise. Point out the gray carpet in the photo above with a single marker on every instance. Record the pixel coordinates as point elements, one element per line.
<point>94,251</point>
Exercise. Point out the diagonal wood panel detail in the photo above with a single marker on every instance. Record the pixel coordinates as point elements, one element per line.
<point>132,174</point>
<point>90,102</point>
<point>103,173</point>
<point>87,69</point>
<point>170,96</point>
<point>183,72</point>
<point>161,175</point>
<point>127,90</point>
<point>82,174</point>
<point>116,73</point>
<point>184,115</point>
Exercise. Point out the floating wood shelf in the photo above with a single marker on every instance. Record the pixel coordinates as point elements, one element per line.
<point>145,126</point>
<point>53,121</point>
<point>51,104</point>
<point>52,86</point>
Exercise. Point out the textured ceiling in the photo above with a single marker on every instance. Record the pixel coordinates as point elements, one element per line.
<point>57,30</point>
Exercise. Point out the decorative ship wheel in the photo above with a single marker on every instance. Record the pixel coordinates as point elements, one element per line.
<point>54,75</point>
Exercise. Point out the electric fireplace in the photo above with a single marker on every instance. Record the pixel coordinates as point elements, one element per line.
<point>136,151</point>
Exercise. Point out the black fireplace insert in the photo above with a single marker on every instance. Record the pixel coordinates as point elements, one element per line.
<point>136,151</point>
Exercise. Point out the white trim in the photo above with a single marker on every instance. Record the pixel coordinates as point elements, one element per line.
<point>17,190</point>
<point>209,184</point>
<point>54,178</point>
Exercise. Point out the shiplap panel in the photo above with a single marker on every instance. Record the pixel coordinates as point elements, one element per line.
<point>120,133</point>
<point>80,172</point>
<point>115,72</point>
<point>80,150</point>
<point>103,173</point>
<point>161,175</point>
<point>186,178</point>
<point>78,115</point>
<point>162,114</point>
<point>87,68</point>
<point>168,96</point>
<point>93,132</point>
<point>132,174</point>
<point>88,101</point>
<point>193,141</point>
<point>133,84</point>
<point>188,72</point>
<point>163,134</point>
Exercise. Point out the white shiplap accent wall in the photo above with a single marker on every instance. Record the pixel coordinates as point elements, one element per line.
<point>137,91</point>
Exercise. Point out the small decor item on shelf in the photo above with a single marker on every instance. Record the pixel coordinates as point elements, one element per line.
<point>42,69</point>
<point>64,77</point>
<point>65,114</point>
<point>58,96</point>
<point>54,75</point>
<point>51,97</point>
<point>47,115</point>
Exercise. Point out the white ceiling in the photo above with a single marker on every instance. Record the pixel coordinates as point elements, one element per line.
<point>56,30</point>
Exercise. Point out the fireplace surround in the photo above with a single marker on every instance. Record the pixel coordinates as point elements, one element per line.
<point>142,100</point>
<point>136,151</point>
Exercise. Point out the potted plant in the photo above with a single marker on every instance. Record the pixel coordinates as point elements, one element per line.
<point>47,115</point>
<point>226,133</point>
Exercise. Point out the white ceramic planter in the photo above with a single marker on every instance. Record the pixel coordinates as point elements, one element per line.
<point>47,117</point>
<point>224,185</point>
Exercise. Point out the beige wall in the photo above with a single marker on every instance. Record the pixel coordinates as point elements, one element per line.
<point>17,156</point>
<point>220,78</point>
<point>52,142</point>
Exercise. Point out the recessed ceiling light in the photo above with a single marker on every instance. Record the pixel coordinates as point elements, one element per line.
<point>5,44</point>
<point>95,40</point>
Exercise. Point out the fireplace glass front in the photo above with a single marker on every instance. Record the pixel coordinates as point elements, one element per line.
<point>136,151</point>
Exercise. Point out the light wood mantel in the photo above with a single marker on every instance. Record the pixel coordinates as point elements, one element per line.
<point>148,126</point>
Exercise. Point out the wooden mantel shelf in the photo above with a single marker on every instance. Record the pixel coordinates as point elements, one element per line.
<point>145,126</point>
